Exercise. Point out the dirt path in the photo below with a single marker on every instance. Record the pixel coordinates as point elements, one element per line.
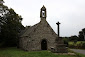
<point>79,51</point>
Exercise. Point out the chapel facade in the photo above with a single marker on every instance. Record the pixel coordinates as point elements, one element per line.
<point>41,36</point>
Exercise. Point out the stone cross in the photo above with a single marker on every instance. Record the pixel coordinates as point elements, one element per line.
<point>58,28</point>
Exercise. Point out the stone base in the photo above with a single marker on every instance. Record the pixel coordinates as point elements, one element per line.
<point>60,48</point>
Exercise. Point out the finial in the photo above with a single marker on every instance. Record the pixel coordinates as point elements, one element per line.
<point>43,8</point>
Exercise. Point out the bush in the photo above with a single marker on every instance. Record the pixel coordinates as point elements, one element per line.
<point>83,45</point>
<point>77,45</point>
<point>66,41</point>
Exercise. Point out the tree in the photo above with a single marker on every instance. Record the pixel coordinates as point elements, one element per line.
<point>81,36</point>
<point>73,38</point>
<point>83,32</point>
<point>1,1</point>
<point>11,27</point>
<point>3,11</point>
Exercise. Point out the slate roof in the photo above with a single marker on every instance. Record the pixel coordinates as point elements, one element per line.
<point>28,30</point>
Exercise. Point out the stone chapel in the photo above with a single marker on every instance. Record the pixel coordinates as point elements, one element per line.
<point>41,37</point>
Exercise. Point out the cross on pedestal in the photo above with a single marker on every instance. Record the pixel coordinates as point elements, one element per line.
<point>58,27</point>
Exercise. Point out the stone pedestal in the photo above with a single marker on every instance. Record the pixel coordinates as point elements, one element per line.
<point>60,47</point>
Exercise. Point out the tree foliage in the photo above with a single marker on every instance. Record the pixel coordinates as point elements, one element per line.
<point>81,36</point>
<point>10,26</point>
<point>66,40</point>
<point>73,38</point>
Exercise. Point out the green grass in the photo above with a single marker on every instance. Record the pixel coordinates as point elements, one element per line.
<point>14,52</point>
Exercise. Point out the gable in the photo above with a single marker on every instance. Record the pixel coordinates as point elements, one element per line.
<point>41,28</point>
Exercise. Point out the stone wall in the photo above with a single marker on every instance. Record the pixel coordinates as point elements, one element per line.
<point>33,40</point>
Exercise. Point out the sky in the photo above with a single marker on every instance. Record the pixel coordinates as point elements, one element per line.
<point>70,13</point>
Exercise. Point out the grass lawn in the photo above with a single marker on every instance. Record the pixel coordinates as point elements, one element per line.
<point>14,52</point>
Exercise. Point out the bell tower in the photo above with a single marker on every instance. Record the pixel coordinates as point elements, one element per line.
<point>43,13</point>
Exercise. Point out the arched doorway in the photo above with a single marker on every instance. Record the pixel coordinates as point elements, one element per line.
<point>44,45</point>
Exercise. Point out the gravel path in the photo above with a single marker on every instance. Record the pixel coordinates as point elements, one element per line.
<point>79,51</point>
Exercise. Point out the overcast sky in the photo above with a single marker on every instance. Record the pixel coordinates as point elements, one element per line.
<point>70,13</point>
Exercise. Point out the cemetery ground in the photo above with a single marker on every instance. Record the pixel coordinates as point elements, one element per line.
<point>15,52</point>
